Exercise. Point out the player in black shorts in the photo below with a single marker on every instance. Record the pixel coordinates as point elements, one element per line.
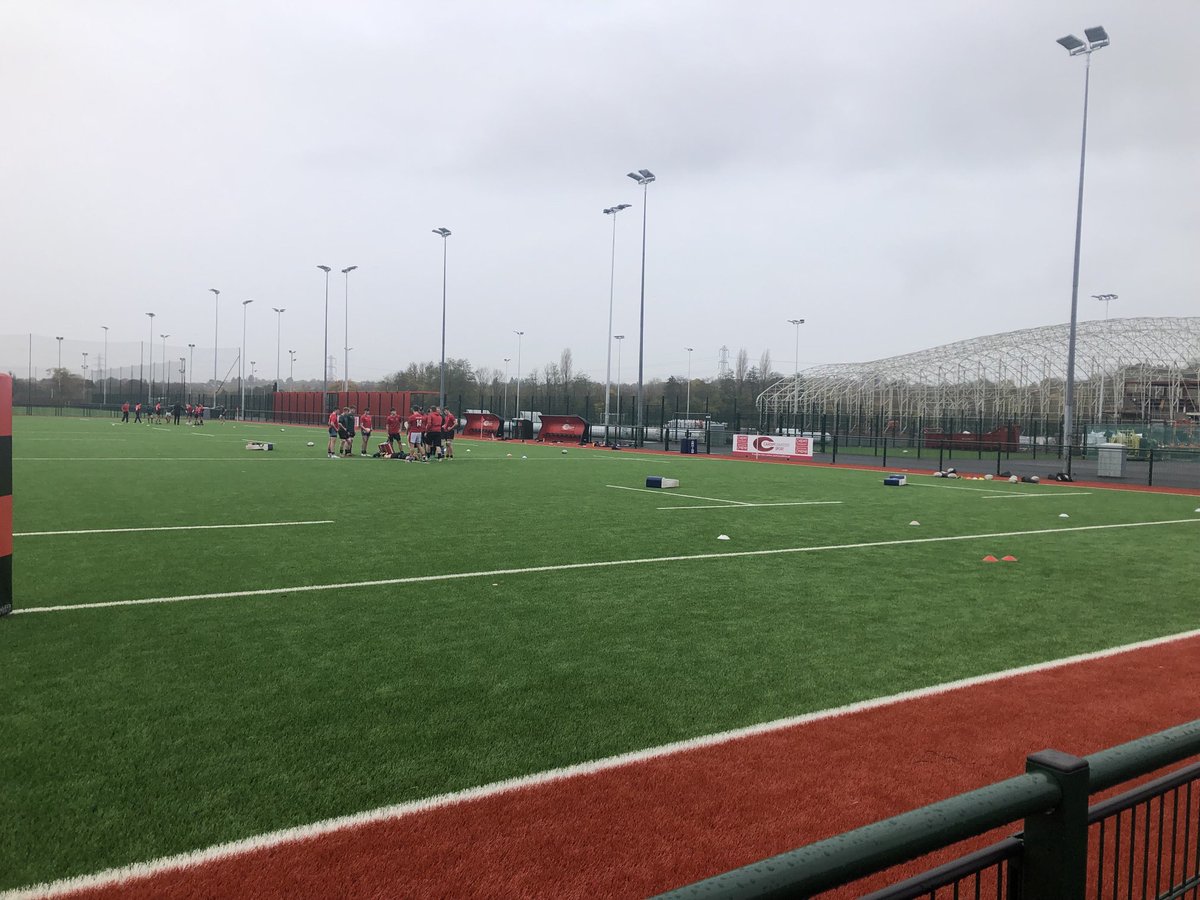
<point>346,431</point>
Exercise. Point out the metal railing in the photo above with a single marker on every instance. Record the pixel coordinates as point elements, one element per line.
<point>1050,858</point>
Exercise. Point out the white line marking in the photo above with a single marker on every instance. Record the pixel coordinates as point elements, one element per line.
<point>563,567</point>
<point>673,493</point>
<point>956,487</point>
<point>751,505</point>
<point>1039,496</point>
<point>18,534</point>
<point>217,852</point>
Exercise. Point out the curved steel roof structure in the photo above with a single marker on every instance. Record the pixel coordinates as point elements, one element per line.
<point>1147,368</point>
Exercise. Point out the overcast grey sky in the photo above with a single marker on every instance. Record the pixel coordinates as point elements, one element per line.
<point>901,175</point>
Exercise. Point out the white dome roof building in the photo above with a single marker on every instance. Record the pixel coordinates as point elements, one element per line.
<point>1132,370</point>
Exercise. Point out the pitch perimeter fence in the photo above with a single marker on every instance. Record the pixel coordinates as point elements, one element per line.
<point>1142,843</point>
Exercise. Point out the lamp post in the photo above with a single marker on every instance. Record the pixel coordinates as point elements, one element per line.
<point>104,368</point>
<point>242,364</point>
<point>504,404</point>
<point>279,311</point>
<point>687,414</point>
<point>1105,299</point>
<point>644,177</point>
<point>60,340</point>
<point>1096,38</point>
<point>796,376</point>
<point>346,345</point>
<point>164,354</point>
<point>612,277</point>
<point>150,384</point>
<point>191,369</point>
<point>216,317</point>
<point>444,234</point>
<point>292,367</point>
<point>325,356</point>
<point>619,338</point>
<point>85,366</point>
<point>519,335</point>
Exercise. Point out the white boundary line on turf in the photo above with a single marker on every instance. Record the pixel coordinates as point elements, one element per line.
<point>959,487</point>
<point>217,852</point>
<point>18,534</point>
<point>754,505</point>
<point>1038,496</point>
<point>564,567</point>
<point>621,487</point>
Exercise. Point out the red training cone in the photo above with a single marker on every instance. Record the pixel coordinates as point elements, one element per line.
<point>1010,559</point>
<point>990,558</point>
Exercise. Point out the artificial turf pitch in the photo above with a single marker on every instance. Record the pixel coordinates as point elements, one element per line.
<point>136,731</point>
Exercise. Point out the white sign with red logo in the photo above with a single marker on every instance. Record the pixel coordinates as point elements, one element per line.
<point>772,445</point>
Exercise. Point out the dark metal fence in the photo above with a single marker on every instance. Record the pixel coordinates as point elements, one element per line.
<point>1064,852</point>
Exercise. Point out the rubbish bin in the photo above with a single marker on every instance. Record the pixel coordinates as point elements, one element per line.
<point>689,445</point>
<point>1110,461</point>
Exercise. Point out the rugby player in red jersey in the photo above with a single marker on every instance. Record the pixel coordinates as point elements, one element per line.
<point>333,431</point>
<point>364,425</point>
<point>393,430</point>
<point>416,421</point>
<point>433,433</point>
<point>449,423</point>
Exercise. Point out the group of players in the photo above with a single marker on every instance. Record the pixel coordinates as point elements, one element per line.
<point>430,435</point>
<point>159,414</point>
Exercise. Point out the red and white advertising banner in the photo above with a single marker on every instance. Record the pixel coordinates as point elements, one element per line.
<point>772,445</point>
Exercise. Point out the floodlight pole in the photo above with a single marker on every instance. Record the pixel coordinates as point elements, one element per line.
<point>104,368</point>
<point>1097,38</point>
<point>687,414</point>
<point>612,277</point>
<point>242,362</point>
<point>279,311</point>
<point>796,376</point>
<point>1105,299</point>
<point>519,335</point>
<point>191,369</point>
<point>216,317</point>
<point>619,338</point>
<point>346,346</point>
<point>150,383</point>
<point>444,234</point>
<point>643,177</point>
<point>325,356</point>
<point>504,404</point>
<point>292,367</point>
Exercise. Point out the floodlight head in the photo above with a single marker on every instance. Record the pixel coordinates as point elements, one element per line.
<point>151,315</point>
<point>1073,45</point>
<point>215,291</point>
<point>646,173</point>
<point>164,336</point>
<point>1097,37</point>
<point>619,337</point>
<point>279,309</point>
<point>634,175</point>
<point>247,302</point>
<point>442,232</point>
<point>348,270</point>
<point>324,269</point>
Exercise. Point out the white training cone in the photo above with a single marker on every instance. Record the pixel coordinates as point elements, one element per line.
<point>722,537</point>
<point>1063,516</point>
<point>914,522</point>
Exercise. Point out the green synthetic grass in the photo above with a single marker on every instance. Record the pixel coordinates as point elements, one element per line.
<point>138,731</point>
